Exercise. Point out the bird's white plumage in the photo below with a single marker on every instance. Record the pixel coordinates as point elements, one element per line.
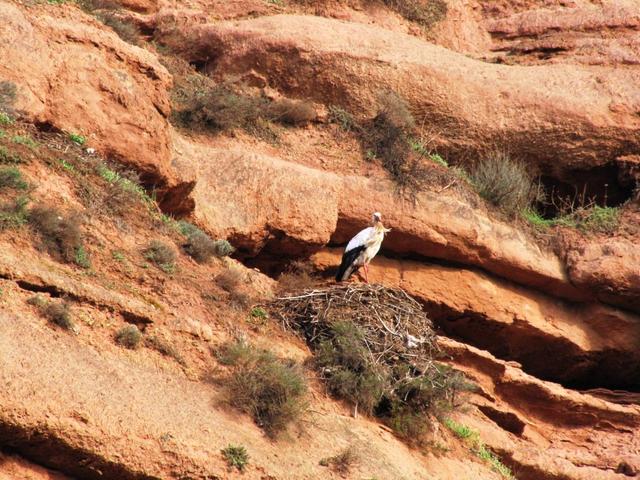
<point>361,238</point>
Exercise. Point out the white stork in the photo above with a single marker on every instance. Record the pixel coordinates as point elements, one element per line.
<point>361,249</point>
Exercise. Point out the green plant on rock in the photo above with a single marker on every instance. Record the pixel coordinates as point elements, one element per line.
<point>8,157</point>
<point>236,456</point>
<point>162,254</point>
<point>11,177</point>
<point>15,214</point>
<point>5,119</point>
<point>24,140</point>
<point>77,138</point>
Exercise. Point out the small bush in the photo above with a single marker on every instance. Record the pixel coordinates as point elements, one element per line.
<point>344,360</point>
<point>61,234</point>
<point>271,390</point>
<point>460,430</point>
<point>60,314</point>
<point>291,112</point>
<point>162,254</point>
<point>297,276</point>
<point>11,177</point>
<point>202,247</point>
<point>236,456</point>
<point>8,157</point>
<point>342,462</point>
<point>599,219</point>
<point>129,337</point>
<point>14,215</point>
<point>505,183</point>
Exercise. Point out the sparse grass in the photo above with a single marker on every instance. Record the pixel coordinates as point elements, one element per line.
<point>124,189</point>
<point>8,157</point>
<point>271,390</point>
<point>162,254</point>
<point>259,312</point>
<point>11,177</point>
<point>588,220</point>
<point>61,234</point>
<point>25,140</point>
<point>77,138</point>
<point>477,446</point>
<point>505,183</point>
<point>236,456</point>
<point>164,347</point>
<point>129,336</point>
<point>230,279</point>
<point>343,461</point>
<point>118,256</point>
<point>14,215</point>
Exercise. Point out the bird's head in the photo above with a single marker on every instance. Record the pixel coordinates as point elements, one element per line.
<point>376,217</point>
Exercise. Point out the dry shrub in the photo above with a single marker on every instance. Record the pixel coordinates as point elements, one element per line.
<point>200,246</point>
<point>505,182</point>
<point>8,92</point>
<point>61,234</point>
<point>291,112</point>
<point>129,336</point>
<point>164,347</point>
<point>60,314</point>
<point>11,177</point>
<point>162,254</point>
<point>425,12</point>
<point>13,215</point>
<point>375,347</point>
<point>230,279</point>
<point>126,30</point>
<point>271,390</point>
<point>343,461</point>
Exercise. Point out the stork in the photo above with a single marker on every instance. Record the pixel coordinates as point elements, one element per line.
<point>361,249</point>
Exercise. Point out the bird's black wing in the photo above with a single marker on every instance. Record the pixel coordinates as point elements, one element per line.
<point>347,260</point>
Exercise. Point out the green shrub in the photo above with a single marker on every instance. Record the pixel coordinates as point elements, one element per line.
<point>505,183</point>
<point>162,254</point>
<point>5,119</point>
<point>61,233</point>
<point>77,138</point>
<point>349,371</point>
<point>460,430</point>
<point>271,390</point>
<point>8,157</point>
<point>236,456</point>
<point>599,219</point>
<point>129,336</point>
<point>11,177</point>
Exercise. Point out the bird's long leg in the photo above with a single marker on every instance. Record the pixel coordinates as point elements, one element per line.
<point>366,273</point>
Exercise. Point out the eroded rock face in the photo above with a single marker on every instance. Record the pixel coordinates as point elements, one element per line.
<point>543,430</point>
<point>268,205</point>
<point>560,117</point>
<point>610,269</point>
<point>76,75</point>
<point>586,341</point>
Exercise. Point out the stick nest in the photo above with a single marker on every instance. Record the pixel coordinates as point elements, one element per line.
<point>394,326</point>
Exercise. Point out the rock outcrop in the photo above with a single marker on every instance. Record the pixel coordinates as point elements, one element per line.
<point>74,74</point>
<point>563,118</point>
